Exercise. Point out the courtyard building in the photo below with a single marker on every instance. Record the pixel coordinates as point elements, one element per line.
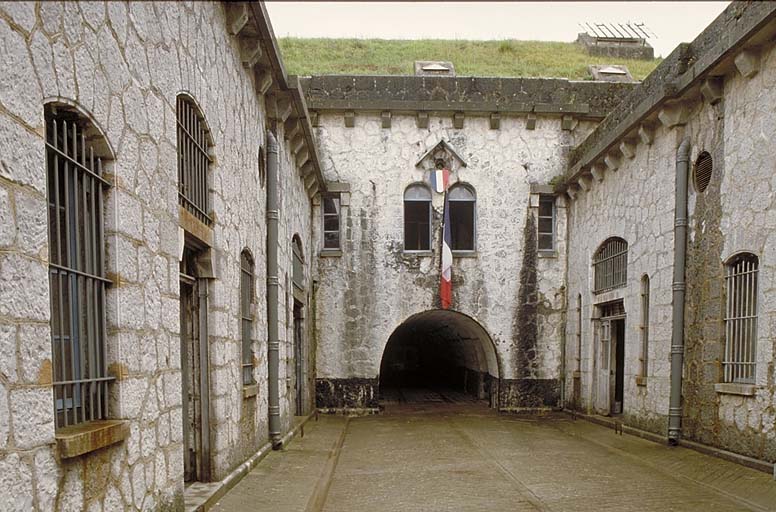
<point>199,251</point>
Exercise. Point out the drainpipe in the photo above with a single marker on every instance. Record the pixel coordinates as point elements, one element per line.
<point>679,285</point>
<point>273,355</point>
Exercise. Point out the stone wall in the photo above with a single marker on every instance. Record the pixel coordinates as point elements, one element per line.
<point>374,286</point>
<point>121,66</point>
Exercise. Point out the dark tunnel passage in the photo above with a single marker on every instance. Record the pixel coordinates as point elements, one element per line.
<point>439,356</point>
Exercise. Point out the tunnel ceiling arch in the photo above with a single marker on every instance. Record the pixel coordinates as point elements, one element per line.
<point>464,336</point>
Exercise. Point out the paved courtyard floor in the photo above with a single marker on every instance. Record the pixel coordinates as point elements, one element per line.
<point>432,456</point>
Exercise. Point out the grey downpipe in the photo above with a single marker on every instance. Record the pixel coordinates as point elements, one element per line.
<point>273,350</point>
<point>679,285</point>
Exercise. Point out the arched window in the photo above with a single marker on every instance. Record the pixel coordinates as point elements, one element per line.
<point>247,295</point>
<point>741,318</point>
<point>193,159</point>
<point>298,263</point>
<point>644,325</point>
<point>78,281</point>
<point>417,218</point>
<point>610,265</point>
<point>462,202</point>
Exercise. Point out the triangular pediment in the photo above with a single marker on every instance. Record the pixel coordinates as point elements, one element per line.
<point>441,150</point>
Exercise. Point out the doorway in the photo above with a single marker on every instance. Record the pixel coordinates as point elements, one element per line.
<point>610,359</point>
<point>194,364</point>
<point>299,377</point>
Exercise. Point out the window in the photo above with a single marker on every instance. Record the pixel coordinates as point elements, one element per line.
<point>702,171</point>
<point>247,294</point>
<point>417,218</point>
<point>644,325</point>
<point>297,275</point>
<point>461,202</point>
<point>193,160</point>
<point>610,265</point>
<point>262,168</point>
<point>546,234</point>
<point>76,270</point>
<point>741,319</point>
<point>579,332</point>
<point>331,222</point>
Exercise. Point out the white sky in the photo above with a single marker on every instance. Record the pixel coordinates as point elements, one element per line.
<point>673,22</point>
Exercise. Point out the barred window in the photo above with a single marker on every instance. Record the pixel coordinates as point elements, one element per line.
<point>546,232</point>
<point>297,275</point>
<point>644,324</point>
<point>193,160</point>
<point>76,269</point>
<point>610,265</point>
<point>741,319</point>
<point>417,218</point>
<point>462,203</point>
<point>247,294</point>
<point>331,221</point>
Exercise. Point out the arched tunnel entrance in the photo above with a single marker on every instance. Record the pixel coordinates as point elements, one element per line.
<point>439,356</point>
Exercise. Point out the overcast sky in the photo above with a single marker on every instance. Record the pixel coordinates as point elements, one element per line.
<point>672,22</point>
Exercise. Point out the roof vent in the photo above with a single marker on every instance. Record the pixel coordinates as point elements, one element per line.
<point>434,68</point>
<point>704,166</point>
<point>610,73</point>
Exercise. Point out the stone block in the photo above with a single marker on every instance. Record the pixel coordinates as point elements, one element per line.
<point>628,148</point>
<point>15,483</point>
<point>87,437</point>
<point>712,90</point>
<point>673,114</point>
<point>646,134</point>
<point>385,118</point>
<point>32,413</point>
<point>495,121</point>
<point>7,222</point>
<point>612,161</point>
<point>568,123</point>
<point>458,118</point>
<point>598,170</point>
<point>24,288</point>
<point>350,119</point>
<point>530,122</point>
<point>748,62</point>
<point>20,91</point>
<point>46,478</point>
<point>421,120</point>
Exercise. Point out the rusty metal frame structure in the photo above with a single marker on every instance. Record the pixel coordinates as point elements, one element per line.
<point>741,319</point>
<point>610,265</point>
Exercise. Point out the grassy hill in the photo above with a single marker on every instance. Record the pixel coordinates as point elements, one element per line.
<point>480,58</point>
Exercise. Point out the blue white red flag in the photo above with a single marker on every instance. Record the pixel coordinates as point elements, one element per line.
<point>440,179</point>
<point>446,278</point>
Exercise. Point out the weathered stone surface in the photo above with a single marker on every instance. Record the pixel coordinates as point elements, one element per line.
<point>7,231</point>
<point>4,416</point>
<point>24,291</point>
<point>32,416</point>
<point>19,89</point>
<point>15,483</point>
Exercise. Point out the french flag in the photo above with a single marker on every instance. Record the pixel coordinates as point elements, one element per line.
<point>446,280</point>
<point>440,180</point>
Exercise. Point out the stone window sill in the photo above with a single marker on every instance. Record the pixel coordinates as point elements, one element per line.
<point>330,253</point>
<point>464,254</point>
<point>641,380</point>
<point>250,390</point>
<point>732,388</point>
<point>87,437</point>
<point>418,254</point>
<point>548,254</point>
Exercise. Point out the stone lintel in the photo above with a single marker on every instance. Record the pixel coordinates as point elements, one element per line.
<point>422,120</point>
<point>734,388</point>
<point>748,62</point>
<point>598,170</point>
<point>338,186</point>
<point>584,182</point>
<point>237,16</point>
<point>302,157</point>
<point>350,119</point>
<point>646,133</point>
<point>87,437</point>
<point>712,89</point>
<point>628,148</point>
<point>250,51</point>
<point>458,120</point>
<point>195,227</point>
<point>495,121</point>
<point>385,117</point>
<point>612,161</point>
<point>263,80</point>
<point>568,123</point>
<point>541,189</point>
<point>530,122</point>
<point>673,114</point>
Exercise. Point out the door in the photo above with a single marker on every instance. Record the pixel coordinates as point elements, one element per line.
<point>299,357</point>
<point>603,370</point>
<point>192,421</point>
<point>618,361</point>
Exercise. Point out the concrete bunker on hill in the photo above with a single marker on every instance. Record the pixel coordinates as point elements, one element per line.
<point>439,356</point>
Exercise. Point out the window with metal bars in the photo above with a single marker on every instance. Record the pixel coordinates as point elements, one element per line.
<point>77,281</point>
<point>247,294</point>
<point>610,265</point>
<point>297,275</point>
<point>463,222</point>
<point>417,218</point>
<point>546,231</point>
<point>704,166</point>
<point>193,159</point>
<point>644,325</point>
<point>331,221</point>
<point>741,319</point>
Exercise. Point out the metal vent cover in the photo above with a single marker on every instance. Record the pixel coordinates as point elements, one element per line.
<point>704,166</point>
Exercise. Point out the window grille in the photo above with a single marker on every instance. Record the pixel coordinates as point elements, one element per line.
<point>417,218</point>
<point>741,319</point>
<point>610,265</point>
<point>644,324</point>
<point>331,222</point>
<point>612,309</point>
<point>247,294</point>
<point>546,233</point>
<point>704,166</point>
<point>193,160</point>
<point>298,263</point>
<point>76,271</point>
<point>462,203</point>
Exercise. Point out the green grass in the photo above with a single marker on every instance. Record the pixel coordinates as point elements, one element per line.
<point>470,58</point>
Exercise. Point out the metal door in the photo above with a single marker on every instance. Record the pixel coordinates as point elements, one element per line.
<point>603,371</point>
<point>192,420</point>
<point>299,357</point>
